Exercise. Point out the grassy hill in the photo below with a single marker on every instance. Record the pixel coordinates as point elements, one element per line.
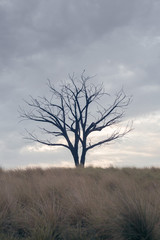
<point>80,204</point>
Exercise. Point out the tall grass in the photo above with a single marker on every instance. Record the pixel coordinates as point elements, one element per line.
<point>80,204</point>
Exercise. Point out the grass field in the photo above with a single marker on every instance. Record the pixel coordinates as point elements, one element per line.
<point>80,204</point>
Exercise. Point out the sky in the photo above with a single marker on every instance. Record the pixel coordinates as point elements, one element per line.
<point>118,41</point>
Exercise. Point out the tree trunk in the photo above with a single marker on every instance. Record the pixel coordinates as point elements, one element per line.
<point>80,166</point>
<point>83,157</point>
<point>75,157</point>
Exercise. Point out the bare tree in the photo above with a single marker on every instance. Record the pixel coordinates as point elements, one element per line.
<point>67,114</point>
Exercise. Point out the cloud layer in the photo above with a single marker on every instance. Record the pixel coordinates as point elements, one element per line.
<point>117,40</point>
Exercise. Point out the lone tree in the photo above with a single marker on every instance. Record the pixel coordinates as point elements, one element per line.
<point>67,114</point>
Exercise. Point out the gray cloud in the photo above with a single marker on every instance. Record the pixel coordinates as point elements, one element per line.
<point>28,27</point>
<point>118,40</point>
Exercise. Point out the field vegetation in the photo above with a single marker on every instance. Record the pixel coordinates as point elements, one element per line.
<point>80,204</point>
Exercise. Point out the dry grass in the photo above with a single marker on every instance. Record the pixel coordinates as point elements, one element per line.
<point>80,204</point>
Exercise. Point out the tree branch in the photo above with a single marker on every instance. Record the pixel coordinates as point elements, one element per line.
<point>45,142</point>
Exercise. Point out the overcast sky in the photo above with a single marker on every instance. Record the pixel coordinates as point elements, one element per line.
<point>116,40</point>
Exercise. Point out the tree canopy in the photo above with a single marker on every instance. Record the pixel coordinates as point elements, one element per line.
<point>74,112</point>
